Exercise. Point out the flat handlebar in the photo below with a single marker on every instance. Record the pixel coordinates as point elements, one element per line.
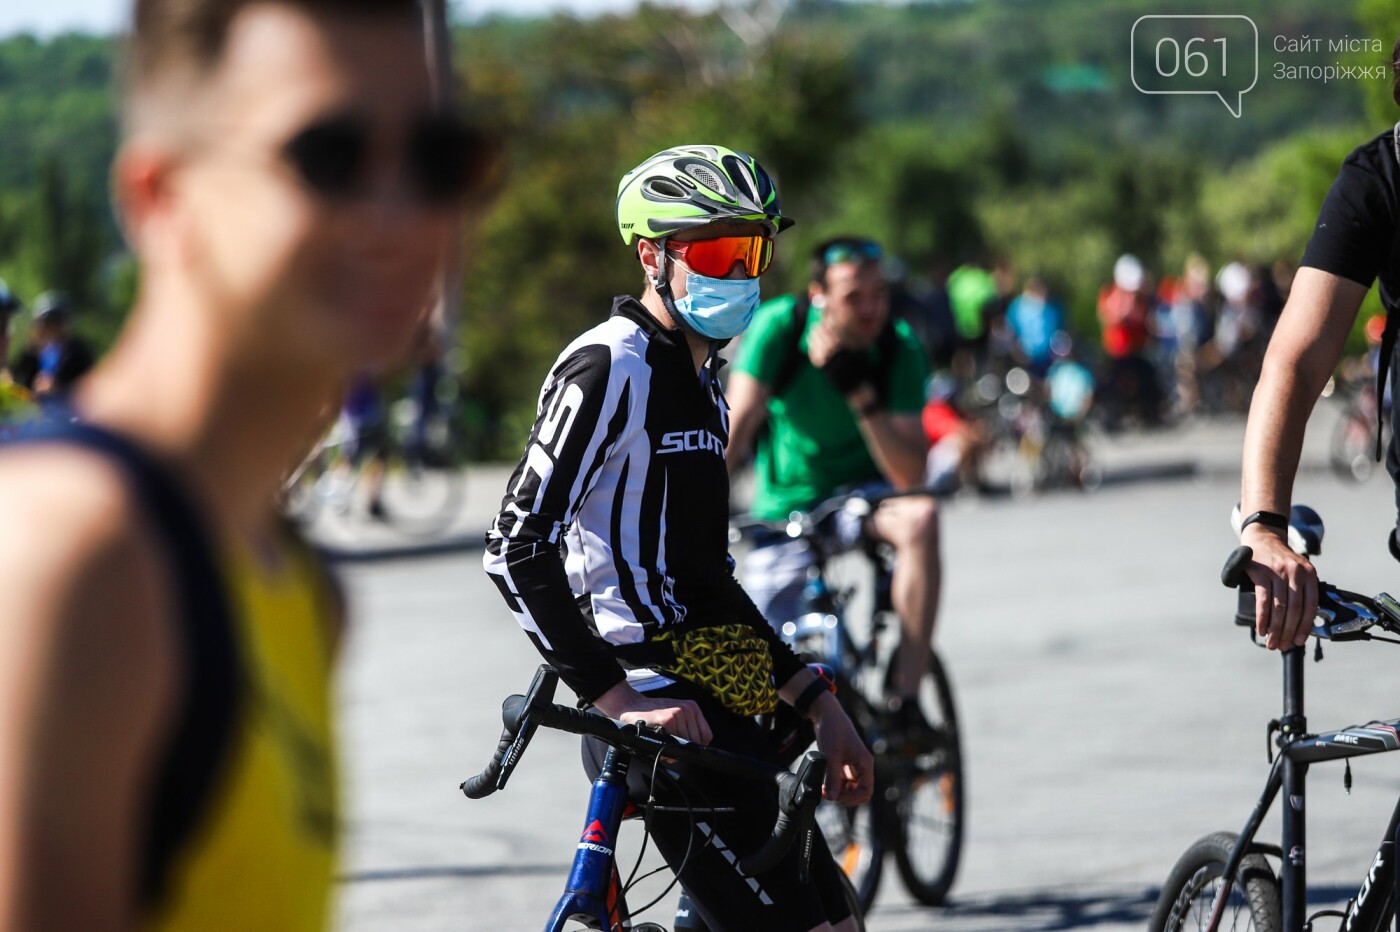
<point>1341,615</point>
<point>798,793</point>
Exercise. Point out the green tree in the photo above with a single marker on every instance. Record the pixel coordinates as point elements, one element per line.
<point>1379,20</point>
<point>546,258</point>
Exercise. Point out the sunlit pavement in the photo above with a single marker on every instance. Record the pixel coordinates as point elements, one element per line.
<point>1112,714</point>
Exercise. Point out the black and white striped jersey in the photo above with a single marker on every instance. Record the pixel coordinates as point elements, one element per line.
<point>615,524</point>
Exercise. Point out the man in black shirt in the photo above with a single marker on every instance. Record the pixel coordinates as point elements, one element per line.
<point>611,547</point>
<point>1355,241</point>
<point>55,357</point>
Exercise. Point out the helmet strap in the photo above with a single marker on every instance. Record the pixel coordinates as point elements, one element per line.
<point>662,283</point>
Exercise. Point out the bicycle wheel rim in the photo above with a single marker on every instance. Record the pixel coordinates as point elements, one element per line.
<point>422,500</point>
<point>930,797</point>
<point>1192,909</point>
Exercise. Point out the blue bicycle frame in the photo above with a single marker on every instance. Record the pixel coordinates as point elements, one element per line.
<point>593,895</point>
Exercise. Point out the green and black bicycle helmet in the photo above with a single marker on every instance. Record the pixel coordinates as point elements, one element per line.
<point>690,186</point>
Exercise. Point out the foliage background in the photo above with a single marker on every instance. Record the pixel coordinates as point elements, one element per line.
<point>953,131</point>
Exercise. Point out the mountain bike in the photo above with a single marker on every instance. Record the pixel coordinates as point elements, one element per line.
<point>918,810</point>
<point>595,896</point>
<point>1227,881</point>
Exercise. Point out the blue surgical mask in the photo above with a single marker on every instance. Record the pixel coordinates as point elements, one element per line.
<point>718,308</point>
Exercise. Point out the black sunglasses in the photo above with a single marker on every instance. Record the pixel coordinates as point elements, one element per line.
<point>443,158</point>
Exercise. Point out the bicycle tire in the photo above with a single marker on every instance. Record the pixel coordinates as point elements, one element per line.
<point>422,500</point>
<point>928,843</point>
<point>858,910</point>
<point>1187,896</point>
<point>855,835</point>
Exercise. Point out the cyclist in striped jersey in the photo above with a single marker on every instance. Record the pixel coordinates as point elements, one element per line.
<point>611,547</point>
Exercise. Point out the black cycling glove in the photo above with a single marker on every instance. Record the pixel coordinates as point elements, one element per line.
<point>848,370</point>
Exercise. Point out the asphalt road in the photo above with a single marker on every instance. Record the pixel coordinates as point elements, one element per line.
<point>1112,715</point>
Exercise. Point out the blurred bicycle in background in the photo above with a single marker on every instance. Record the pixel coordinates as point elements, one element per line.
<point>405,468</point>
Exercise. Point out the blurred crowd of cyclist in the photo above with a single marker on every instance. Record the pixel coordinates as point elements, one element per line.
<point>1008,365</point>
<point>1007,368</point>
<point>50,360</point>
<point>400,408</point>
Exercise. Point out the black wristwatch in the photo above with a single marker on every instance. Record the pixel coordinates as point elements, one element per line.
<point>808,696</point>
<point>1267,518</point>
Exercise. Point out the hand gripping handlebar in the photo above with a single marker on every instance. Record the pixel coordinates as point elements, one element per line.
<point>798,793</point>
<point>1341,615</point>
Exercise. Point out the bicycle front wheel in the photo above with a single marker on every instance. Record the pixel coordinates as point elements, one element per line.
<point>930,796</point>
<point>853,835</point>
<point>853,901</point>
<point>423,499</point>
<point>1189,894</point>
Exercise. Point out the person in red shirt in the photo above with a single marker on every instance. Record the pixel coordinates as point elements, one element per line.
<point>956,442</point>
<point>1124,312</point>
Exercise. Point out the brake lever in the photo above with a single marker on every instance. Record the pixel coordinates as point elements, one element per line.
<point>810,777</point>
<point>538,700</point>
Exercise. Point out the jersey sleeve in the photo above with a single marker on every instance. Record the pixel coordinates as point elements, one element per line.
<point>1356,224</point>
<point>910,373</point>
<point>583,411</point>
<point>765,343</point>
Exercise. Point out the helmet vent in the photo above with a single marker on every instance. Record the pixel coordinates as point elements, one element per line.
<point>706,176</point>
<point>740,171</point>
<point>665,188</point>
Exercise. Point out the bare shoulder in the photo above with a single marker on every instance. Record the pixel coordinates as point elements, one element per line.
<point>89,687</point>
<point>86,592</point>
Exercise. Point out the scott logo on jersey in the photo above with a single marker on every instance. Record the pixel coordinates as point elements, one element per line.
<point>682,441</point>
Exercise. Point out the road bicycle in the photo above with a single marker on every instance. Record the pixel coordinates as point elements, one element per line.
<point>918,811</point>
<point>595,896</point>
<point>1227,880</point>
<point>423,484</point>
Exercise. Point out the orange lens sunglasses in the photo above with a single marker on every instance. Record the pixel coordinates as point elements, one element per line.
<point>715,257</point>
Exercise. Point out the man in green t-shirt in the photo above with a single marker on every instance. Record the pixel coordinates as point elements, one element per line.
<point>841,386</point>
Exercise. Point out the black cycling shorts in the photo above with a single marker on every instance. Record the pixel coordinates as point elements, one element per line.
<point>728,900</point>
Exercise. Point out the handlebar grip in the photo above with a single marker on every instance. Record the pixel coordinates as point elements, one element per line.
<point>773,850</point>
<point>1233,575</point>
<point>484,783</point>
<point>798,795</point>
<point>573,720</point>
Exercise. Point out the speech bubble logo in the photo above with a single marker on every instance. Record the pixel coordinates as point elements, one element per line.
<point>1210,54</point>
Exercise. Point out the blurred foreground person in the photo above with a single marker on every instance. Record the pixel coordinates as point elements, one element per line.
<point>1356,240</point>
<point>166,642</point>
<point>55,357</point>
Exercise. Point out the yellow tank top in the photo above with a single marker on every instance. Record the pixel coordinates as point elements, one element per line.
<point>263,857</point>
